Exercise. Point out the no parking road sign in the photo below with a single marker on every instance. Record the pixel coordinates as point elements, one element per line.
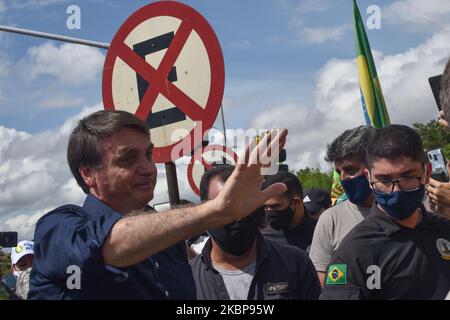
<point>166,66</point>
<point>204,159</point>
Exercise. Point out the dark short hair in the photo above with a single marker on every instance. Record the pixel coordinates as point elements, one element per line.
<point>350,145</point>
<point>394,142</point>
<point>223,172</point>
<point>84,147</point>
<point>294,187</point>
<point>444,93</point>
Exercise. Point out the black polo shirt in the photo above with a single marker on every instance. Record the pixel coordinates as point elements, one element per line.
<point>72,237</point>
<point>282,272</point>
<point>380,259</point>
<point>301,236</point>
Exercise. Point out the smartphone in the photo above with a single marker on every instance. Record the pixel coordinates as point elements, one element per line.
<point>435,84</point>
<point>8,239</point>
<point>438,165</point>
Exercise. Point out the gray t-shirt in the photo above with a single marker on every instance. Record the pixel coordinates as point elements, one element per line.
<point>237,282</point>
<point>332,227</point>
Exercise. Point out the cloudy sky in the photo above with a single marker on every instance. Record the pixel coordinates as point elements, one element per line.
<point>288,63</point>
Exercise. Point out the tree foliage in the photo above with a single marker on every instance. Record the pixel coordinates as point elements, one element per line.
<point>434,136</point>
<point>5,263</point>
<point>314,178</point>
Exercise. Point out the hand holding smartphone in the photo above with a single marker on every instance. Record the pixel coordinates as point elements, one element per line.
<point>438,165</point>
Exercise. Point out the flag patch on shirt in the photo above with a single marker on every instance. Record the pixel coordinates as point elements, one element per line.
<point>337,274</point>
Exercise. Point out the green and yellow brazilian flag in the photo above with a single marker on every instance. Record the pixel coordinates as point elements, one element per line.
<point>372,99</point>
<point>374,107</point>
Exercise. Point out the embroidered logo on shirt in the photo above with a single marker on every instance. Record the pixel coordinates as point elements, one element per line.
<point>443,247</point>
<point>276,288</point>
<point>337,274</point>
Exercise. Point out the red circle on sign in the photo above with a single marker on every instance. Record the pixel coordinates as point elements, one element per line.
<point>157,78</point>
<point>198,156</point>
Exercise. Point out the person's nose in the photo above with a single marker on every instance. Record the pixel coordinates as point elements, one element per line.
<point>344,175</point>
<point>396,187</point>
<point>146,167</point>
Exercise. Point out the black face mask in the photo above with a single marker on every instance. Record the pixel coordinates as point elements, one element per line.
<point>237,237</point>
<point>280,219</point>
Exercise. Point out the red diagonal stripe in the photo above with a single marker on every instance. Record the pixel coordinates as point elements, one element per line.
<point>139,65</point>
<point>183,102</point>
<point>147,103</point>
<point>159,83</point>
<point>174,50</point>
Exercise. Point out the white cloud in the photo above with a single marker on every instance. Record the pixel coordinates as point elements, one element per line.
<point>5,63</point>
<point>404,80</point>
<point>31,4</point>
<point>308,6</point>
<point>34,175</point>
<point>70,63</point>
<point>60,101</point>
<point>417,14</point>
<point>13,5</point>
<point>299,12</point>
<point>323,34</point>
<point>5,68</point>
<point>7,136</point>
<point>25,223</point>
<point>243,44</point>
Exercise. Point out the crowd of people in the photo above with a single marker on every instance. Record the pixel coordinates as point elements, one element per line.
<point>253,236</point>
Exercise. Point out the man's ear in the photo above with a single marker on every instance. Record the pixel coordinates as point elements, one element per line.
<point>298,201</point>
<point>87,173</point>
<point>367,174</point>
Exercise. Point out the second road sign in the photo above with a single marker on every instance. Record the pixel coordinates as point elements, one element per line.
<point>204,159</point>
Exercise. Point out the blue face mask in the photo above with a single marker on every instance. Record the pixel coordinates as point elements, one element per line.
<point>400,205</point>
<point>357,189</point>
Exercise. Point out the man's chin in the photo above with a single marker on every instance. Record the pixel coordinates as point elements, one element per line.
<point>144,197</point>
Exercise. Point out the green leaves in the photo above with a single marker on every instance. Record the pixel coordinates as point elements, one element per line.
<point>434,136</point>
<point>314,178</point>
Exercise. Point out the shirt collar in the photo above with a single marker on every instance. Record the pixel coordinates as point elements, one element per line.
<point>96,207</point>
<point>389,225</point>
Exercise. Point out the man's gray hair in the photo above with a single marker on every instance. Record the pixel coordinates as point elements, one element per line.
<point>349,145</point>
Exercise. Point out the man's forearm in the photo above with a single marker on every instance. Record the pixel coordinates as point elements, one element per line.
<point>134,239</point>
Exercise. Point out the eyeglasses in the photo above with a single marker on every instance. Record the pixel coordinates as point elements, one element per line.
<point>405,184</point>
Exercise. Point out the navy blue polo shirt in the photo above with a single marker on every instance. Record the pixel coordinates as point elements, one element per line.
<point>73,236</point>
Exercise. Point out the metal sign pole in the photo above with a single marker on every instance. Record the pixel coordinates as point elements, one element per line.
<point>223,125</point>
<point>51,36</point>
<point>172,183</point>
